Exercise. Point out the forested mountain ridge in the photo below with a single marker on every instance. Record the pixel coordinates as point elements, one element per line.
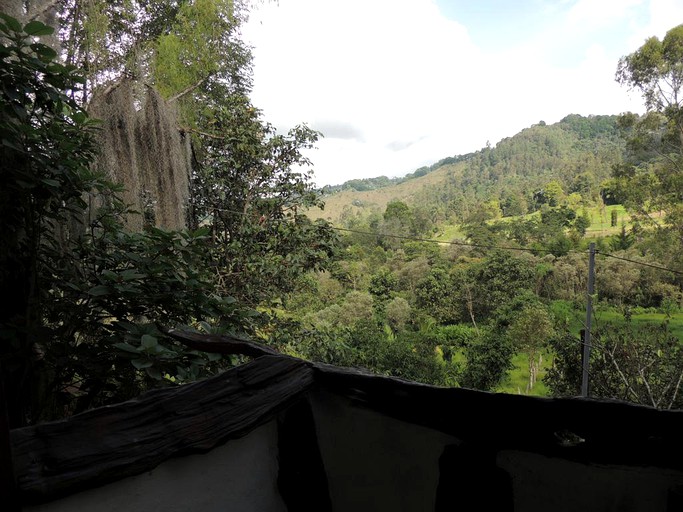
<point>576,153</point>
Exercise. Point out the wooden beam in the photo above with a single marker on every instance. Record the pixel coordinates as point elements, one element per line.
<point>110,443</point>
<point>219,344</point>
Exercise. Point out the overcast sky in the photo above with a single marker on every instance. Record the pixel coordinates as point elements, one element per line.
<point>397,84</point>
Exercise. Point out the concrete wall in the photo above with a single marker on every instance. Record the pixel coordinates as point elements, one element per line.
<point>543,483</point>
<point>373,462</point>
<point>239,476</point>
<point>376,463</point>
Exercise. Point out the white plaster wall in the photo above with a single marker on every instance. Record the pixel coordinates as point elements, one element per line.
<point>541,483</point>
<point>240,476</point>
<point>373,462</point>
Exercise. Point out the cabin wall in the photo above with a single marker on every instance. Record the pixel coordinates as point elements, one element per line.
<point>374,462</point>
<point>240,475</point>
<point>377,463</point>
<point>336,444</point>
<point>545,483</point>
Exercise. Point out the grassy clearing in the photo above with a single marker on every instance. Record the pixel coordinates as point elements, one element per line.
<point>449,233</point>
<point>601,221</point>
<point>602,314</point>
<point>518,378</point>
<point>600,216</point>
<point>675,320</point>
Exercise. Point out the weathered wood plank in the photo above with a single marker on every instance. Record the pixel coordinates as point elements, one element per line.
<point>219,344</point>
<point>588,431</point>
<point>109,443</point>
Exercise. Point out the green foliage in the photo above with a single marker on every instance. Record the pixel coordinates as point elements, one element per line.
<point>397,210</point>
<point>655,70</point>
<point>583,222</point>
<point>196,47</point>
<point>529,332</point>
<point>450,339</point>
<point>552,194</point>
<point>47,143</point>
<point>398,313</point>
<point>108,39</point>
<point>500,278</point>
<point>437,295</point>
<point>356,306</point>
<point>629,362</point>
<point>367,344</point>
<point>513,204</point>
<point>382,286</point>
<point>82,330</point>
<point>489,357</point>
<point>121,284</point>
<point>650,179</point>
<point>248,193</point>
<point>458,335</point>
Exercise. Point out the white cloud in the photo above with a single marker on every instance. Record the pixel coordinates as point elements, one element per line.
<point>664,15</point>
<point>595,14</point>
<point>395,85</point>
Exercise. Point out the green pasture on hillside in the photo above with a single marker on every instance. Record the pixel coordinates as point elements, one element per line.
<point>675,320</point>
<point>576,318</point>
<point>601,220</point>
<point>449,232</point>
<point>600,226</point>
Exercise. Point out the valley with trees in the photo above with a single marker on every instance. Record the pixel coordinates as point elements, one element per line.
<point>493,246</point>
<point>143,191</point>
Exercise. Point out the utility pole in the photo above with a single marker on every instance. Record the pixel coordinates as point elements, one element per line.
<point>589,318</point>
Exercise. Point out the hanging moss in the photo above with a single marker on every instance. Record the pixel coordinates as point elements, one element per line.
<point>142,149</point>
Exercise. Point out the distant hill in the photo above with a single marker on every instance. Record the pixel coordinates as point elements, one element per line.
<point>365,184</point>
<point>576,153</point>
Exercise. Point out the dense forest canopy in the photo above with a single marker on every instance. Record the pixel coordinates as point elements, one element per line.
<point>100,262</point>
<point>181,206</point>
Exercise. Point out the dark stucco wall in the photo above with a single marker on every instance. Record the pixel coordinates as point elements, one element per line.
<point>279,434</point>
<point>374,462</point>
<point>240,475</point>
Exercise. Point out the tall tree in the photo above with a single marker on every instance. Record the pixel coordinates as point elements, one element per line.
<point>651,179</point>
<point>251,188</point>
<point>83,293</point>
<point>79,284</point>
<point>656,70</point>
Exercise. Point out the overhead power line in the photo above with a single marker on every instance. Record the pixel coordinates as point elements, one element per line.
<point>502,247</point>
<point>440,242</point>
<point>478,246</point>
<point>642,263</point>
